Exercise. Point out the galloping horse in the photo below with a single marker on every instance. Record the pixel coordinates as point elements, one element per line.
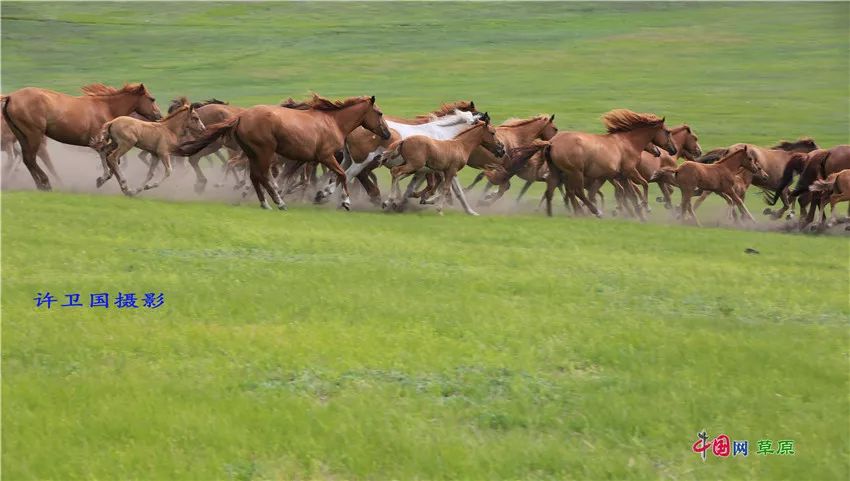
<point>575,156</point>
<point>365,148</point>
<point>719,177</point>
<point>773,160</point>
<point>33,113</point>
<point>687,147</point>
<point>419,154</point>
<point>819,164</point>
<point>312,135</point>
<point>834,189</point>
<point>513,134</point>
<point>158,138</point>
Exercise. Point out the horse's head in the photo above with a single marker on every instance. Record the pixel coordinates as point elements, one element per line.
<point>193,121</point>
<point>374,121</point>
<point>750,162</point>
<point>690,146</point>
<point>549,130</point>
<point>664,138</point>
<point>146,104</point>
<point>488,139</point>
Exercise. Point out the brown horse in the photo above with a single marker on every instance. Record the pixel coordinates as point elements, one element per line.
<point>311,135</point>
<point>420,154</point>
<point>719,177</point>
<point>819,164</point>
<point>33,113</point>
<point>687,148</point>
<point>834,189</point>
<point>774,160</point>
<point>513,134</point>
<point>574,157</point>
<point>159,138</point>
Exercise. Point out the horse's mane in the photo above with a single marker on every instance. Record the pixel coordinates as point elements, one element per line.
<point>802,142</point>
<point>178,105</point>
<point>317,102</point>
<point>680,128</point>
<point>477,124</point>
<point>515,122</point>
<point>624,120</point>
<point>449,108</point>
<point>730,153</point>
<point>98,89</point>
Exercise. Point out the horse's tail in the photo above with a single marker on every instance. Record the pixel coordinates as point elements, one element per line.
<point>211,134</point>
<point>103,138</point>
<point>825,186</point>
<point>519,157</point>
<point>815,168</point>
<point>712,156</point>
<point>795,165</point>
<point>665,174</point>
<point>392,153</point>
<point>12,125</point>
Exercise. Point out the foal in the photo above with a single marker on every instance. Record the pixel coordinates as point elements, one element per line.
<point>158,138</point>
<point>832,190</point>
<point>421,155</point>
<point>719,178</point>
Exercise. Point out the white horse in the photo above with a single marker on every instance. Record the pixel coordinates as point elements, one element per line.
<point>441,128</point>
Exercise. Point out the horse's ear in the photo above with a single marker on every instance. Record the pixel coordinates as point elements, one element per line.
<point>662,119</point>
<point>472,104</point>
<point>372,100</point>
<point>552,118</point>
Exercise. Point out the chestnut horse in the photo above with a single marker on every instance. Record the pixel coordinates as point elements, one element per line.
<point>513,134</point>
<point>832,190</point>
<point>819,164</point>
<point>774,161</point>
<point>310,135</point>
<point>33,113</point>
<point>159,138</point>
<point>687,148</point>
<point>574,157</point>
<point>420,154</point>
<point>719,177</point>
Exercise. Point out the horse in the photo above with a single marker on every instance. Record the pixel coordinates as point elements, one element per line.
<point>819,164</point>
<point>310,135</point>
<point>574,156</point>
<point>364,149</point>
<point>513,133</point>
<point>834,189</point>
<point>419,154</point>
<point>719,177</point>
<point>159,138</point>
<point>687,148</point>
<point>774,161</point>
<point>33,113</point>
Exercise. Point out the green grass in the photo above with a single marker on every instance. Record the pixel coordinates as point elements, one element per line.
<point>319,344</point>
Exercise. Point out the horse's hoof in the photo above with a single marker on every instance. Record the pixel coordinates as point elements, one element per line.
<point>265,207</point>
<point>668,206</point>
<point>385,205</point>
<point>376,201</point>
<point>847,227</point>
<point>100,182</point>
<point>281,207</point>
<point>473,213</point>
<point>346,205</point>
<point>659,199</point>
<point>199,187</point>
<point>790,216</point>
<point>767,211</point>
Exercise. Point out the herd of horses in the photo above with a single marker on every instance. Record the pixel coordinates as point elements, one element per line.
<point>281,148</point>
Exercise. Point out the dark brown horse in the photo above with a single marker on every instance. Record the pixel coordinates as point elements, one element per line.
<point>33,113</point>
<point>819,164</point>
<point>311,135</point>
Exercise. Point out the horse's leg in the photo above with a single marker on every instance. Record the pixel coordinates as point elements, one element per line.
<point>553,180</point>
<point>524,189</point>
<point>45,157</point>
<point>112,163</point>
<point>461,196</point>
<point>165,158</point>
<point>667,192</point>
<point>731,204</point>
<point>448,176</point>
<point>29,150</point>
<point>703,195</point>
<point>151,169</point>
<point>200,178</point>
<point>331,163</point>
<point>833,200</point>
<point>478,179</point>
<point>641,202</point>
<point>491,199</point>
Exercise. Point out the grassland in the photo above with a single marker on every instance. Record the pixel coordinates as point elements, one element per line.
<point>319,344</point>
